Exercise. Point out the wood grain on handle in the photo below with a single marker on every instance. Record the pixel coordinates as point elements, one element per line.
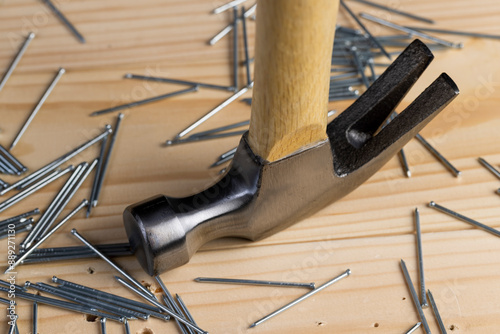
<point>292,69</point>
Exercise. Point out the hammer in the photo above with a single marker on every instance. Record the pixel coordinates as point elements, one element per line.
<point>290,163</point>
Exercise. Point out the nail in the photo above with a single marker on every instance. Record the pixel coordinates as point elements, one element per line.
<point>359,66</point>
<point>37,186</point>
<point>414,328</point>
<point>95,184</point>
<point>435,310</point>
<point>221,34</point>
<point>46,216</point>
<point>192,139</point>
<point>105,248</point>
<point>17,164</point>
<point>5,301</point>
<point>438,155</point>
<point>16,59</point>
<point>82,289</point>
<point>127,327</point>
<point>373,39</point>
<point>103,325</point>
<point>222,161</point>
<point>298,300</point>
<point>78,183</point>
<point>38,106</point>
<point>410,31</point>
<point>53,165</point>
<point>235,48</point>
<point>438,207</point>
<point>170,302</point>
<point>253,282</point>
<point>245,43</point>
<point>159,305</point>
<point>18,226</point>
<point>489,167</point>
<point>17,287</point>
<point>212,112</point>
<point>145,101</point>
<point>404,163</point>
<point>227,6</point>
<point>3,184</point>
<point>228,153</point>
<point>19,217</point>
<point>111,263</point>
<point>177,81</point>
<point>395,11</point>
<point>105,163</point>
<point>85,301</point>
<point>35,318</point>
<point>185,309</point>
<point>58,226</point>
<point>456,32</point>
<point>63,304</point>
<point>414,297</point>
<point>18,231</point>
<point>220,129</point>
<point>423,296</point>
<point>65,21</point>
<point>7,167</point>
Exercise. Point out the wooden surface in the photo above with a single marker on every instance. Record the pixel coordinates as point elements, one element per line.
<point>293,52</point>
<point>368,231</point>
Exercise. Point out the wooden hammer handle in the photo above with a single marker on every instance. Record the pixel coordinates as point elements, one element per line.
<point>293,53</point>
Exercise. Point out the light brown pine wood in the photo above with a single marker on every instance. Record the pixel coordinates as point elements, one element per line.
<point>367,231</point>
<point>292,68</point>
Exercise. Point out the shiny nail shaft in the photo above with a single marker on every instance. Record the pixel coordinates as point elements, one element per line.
<point>298,300</point>
<point>227,6</point>
<point>253,282</point>
<point>414,328</point>
<point>170,302</point>
<point>212,112</point>
<point>489,167</point>
<point>420,258</point>
<point>185,309</point>
<point>414,297</point>
<point>179,82</point>
<point>438,207</point>
<point>396,11</point>
<point>455,32</point>
<point>435,310</point>
<point>35,318</point>
<point>16,59</point>
<point>95,183</point>
<point>111,263</point>
<point>438,155</point>
<point>145,101</point>
<point>38,106</point>
<point>64,20</point>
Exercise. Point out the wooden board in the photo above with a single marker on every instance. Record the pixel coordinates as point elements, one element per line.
<point>368,231</point>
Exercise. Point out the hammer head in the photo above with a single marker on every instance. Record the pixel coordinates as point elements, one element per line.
<point>257,198</point>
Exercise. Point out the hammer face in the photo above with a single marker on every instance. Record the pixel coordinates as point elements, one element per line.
<point>256,198</point>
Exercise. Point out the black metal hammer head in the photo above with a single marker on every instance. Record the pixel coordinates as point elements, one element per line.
<point>256,198</point>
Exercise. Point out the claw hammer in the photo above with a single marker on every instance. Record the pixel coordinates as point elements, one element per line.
<point>290,163</point>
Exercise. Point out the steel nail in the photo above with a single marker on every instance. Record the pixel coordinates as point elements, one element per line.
<point>254,282</point>
<point>423,296</point>
<point>227,6</point>
<point>145,101</point>
<point>235,48</point>
<point>103,325</point>
<point>127,327</point>
<point>245,43</point>
<point>42,240</point>
<point>192,139</point>
<point>212,112</point>
<point>298,300</point>
<point>105,163</point>
<point>455,32</point>
<point>13,324</point>
<point>16,59</point>
<point>38,106</point>
<point>35,317</point>
<point>220,129</point>
<point>489,167</point>
<point>169,301</point>
<point>17,164</point>
<point>22,215</point>
<point>95,184</point>
<point>64,20</point>
<point>435,310</point>
<point>414,328</point>
<point>438,155</point>
<point>111,263</point>
<point>185,309</point>
<point>438,207</point>
<point>414,297</point>
<point>179,82</point>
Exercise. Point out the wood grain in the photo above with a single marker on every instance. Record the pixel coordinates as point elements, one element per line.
<point>293,51</point>
<point>368,231</point>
